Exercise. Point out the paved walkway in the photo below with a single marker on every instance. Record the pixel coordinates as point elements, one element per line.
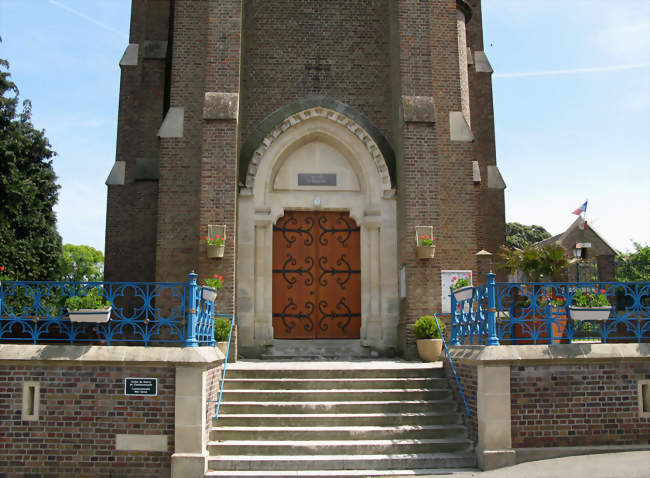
<point>633,464</point>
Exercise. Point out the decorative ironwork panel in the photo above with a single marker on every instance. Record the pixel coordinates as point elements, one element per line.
<point>142,313</point>
<point>541,313</point>
<point>316,276</point>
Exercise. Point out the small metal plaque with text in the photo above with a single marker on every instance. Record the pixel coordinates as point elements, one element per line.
<point>141,386</point>
<point>316,179</point>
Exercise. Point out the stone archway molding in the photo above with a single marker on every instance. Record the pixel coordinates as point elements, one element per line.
<point>293,114</point>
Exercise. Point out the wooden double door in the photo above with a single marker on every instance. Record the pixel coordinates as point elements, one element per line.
<point>316,276</point>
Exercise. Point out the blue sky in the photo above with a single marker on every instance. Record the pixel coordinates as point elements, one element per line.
<point>571,100</point>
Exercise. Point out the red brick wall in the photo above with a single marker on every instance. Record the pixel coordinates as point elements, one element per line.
<point>576,405</point>
<point>281,37</point>
<point>468,381</point>
<point>213,385</point>
<point>132,208</point>
<point>82,408</point>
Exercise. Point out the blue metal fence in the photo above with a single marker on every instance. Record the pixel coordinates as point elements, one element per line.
<point>148,313</point>
<point>538,313</point>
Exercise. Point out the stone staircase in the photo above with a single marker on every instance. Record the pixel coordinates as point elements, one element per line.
<point>362,418</point>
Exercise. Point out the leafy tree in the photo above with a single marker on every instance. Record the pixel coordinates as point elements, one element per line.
<point>519,236</point>
<point>634,266</point>
<point>544,263</point>
<point>81,264</point>
<point>30,247</point>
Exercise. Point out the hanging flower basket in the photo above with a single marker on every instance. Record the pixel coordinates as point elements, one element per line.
<point>589,313</point>
<point>97,316</point>
<point>426,252</point>
<point>215,251</point>
<point>208,293</point>
<point>463,293</point>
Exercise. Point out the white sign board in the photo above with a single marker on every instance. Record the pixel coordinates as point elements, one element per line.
<point>446,279</point>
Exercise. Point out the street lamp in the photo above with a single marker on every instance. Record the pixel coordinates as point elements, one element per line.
<point>577,255</point>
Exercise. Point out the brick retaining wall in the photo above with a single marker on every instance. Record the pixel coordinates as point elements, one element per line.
<point>468,380</point>
<point>578,405</point>
<point>82,409</point>
<point>82,424</point>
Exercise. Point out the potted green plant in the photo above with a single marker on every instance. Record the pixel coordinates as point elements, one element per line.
<point>428,338</point>
<point>215,246</point>
<point>426,247</point>
<point>221,333</point>
<point>461,287</point>
<point>589,305</point>
<point>211,286</point>
<point>90,307</point>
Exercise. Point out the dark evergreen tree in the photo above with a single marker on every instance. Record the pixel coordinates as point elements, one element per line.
<point>518,236</point>
<point>30,247</point>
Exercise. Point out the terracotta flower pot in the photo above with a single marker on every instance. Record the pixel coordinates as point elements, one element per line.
<point>429,349</point>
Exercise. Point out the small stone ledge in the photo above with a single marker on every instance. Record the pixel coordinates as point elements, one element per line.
<point>118,354</point>
<point>220,105</point>
<point>539,354</point>
<point>419,109</point>
<point>117,174</point>
<point>130,57</point>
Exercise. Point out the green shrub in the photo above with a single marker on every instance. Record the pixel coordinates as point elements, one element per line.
<point>221,329</point>
<point>425,328</point>
<point>92,300</point>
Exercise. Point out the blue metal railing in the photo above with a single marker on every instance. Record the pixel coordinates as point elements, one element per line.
<point>539,313</point>
<point>453,369</point>
<point>225,366</point>
<point>141,313</point>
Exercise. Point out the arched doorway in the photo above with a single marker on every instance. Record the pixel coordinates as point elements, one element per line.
<point>317,163</point>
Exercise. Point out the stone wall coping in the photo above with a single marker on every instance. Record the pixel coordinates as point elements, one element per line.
<point>543,354</point>
<point>133,355</point>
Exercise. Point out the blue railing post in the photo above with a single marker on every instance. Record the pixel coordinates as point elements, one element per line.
<point>193,290</point>
<point>492,338</point>
<point>455,322</point>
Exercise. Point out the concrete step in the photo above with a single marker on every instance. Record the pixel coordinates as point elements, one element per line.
<point>357,370</point>
<point>335,395</point>
<point>337,433</point>
<point>338,447</point>
<point>338,419</point>
<point>393,406</point>
<point>335,473</point>
<point>334,383</point>
<point>407,461</point>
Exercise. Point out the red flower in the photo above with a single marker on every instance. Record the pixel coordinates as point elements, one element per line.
<point>215,276</point>
<point>205,237</point>
<point>469,275</point>
<point>220,277</point>
<point>454,278</point>
<point>602,291</point>
<point>216,237</point>
<point>2,268</point>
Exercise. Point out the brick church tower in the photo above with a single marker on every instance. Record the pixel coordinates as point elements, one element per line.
<point>316,136</point>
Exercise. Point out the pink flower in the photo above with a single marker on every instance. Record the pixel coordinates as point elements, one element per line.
<point>2,268</point>
<point>455,278</point>
<point>469,275</point>
<point>602,291</point>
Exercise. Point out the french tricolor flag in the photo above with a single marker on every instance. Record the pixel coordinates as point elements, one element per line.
<point>581,209</point>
